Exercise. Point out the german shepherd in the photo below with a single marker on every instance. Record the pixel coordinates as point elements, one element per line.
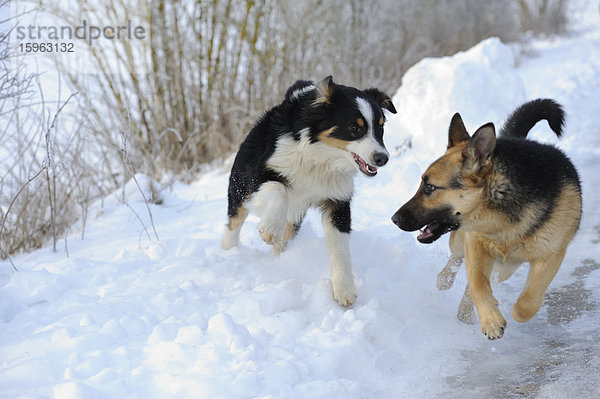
<point>506,201</point>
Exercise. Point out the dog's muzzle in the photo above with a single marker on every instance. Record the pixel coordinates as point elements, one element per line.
<point>432,227</point>
<point>404,221</point>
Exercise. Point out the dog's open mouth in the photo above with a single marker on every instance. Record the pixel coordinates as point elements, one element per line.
<point>428,233</point>
<point>364,167</point>
<point>435,230</point>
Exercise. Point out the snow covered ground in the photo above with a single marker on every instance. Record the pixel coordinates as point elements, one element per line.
<point>125,316</point>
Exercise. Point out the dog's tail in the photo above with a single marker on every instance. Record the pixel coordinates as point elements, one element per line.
<point>520,122</point>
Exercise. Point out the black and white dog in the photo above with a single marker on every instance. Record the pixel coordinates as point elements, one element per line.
<point>305,152</point>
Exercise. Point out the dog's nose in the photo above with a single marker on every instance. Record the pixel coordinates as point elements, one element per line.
<point>380,158</point>
<point>397,219</point>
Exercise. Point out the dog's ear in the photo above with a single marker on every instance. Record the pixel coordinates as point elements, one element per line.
<point>381,98</point>
<point>325,89</point>
<point>457,133</point>
<point>477,154</point>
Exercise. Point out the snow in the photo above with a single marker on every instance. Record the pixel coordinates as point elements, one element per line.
<point>127,316</point>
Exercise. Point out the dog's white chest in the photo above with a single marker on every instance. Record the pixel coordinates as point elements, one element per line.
<point>314,172</point>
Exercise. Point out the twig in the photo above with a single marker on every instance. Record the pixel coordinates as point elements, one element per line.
<point>127,164</point>
<point>67,231</point>
<point>49,163</point>
<point>10,207</point>
<point>145,202</point>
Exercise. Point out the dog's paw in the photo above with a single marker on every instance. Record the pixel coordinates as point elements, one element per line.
<point>344,292</point>
<point>493,327</point>
<point>267,236</point>
<point>278,248</point>
<point>271,233</point>
<point>230,239</point>
<point>523,311</point>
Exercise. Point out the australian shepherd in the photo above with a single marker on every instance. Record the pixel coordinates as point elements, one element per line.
<point>305,152</point>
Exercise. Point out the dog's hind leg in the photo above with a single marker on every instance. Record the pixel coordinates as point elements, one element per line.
<point>336,224</point>
<point>231,237</point>
<point>466,309</point>
<point>541,273</point>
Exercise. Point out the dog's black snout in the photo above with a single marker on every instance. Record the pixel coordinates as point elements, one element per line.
<point>397,219</point>
<point>380,158</point>
<point>405,220</point>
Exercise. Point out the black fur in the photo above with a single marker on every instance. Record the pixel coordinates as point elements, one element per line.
<point>381,98</point>
<point>249,169</point>
<point>520,122</point>
<point>339,214</point>
<point>456,182</point>
<point>300,84</point>
<point>537,174</point>
<point>341,111</point>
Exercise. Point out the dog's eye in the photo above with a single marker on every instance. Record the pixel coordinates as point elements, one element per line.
<point>356,130</point>
<point>428,189</point>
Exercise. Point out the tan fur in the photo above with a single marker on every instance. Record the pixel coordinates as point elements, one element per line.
<point>325,138</point>
<point>324,92</point>
<point>288,234</point>
<point>360,122</point>
<point>439,174</point>
<point>488,240</point>
<point>238,220</point>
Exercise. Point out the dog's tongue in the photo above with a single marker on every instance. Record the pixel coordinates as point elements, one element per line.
<point>428,231</point>
<point>365,167</point>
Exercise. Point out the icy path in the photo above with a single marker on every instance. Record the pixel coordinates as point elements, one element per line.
<point>123,317</point>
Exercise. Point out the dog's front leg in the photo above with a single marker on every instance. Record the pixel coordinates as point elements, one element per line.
<point>479,263</point>
<point>336,223</point>
<point>270,202</point>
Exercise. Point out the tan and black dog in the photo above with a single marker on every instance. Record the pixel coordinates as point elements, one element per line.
<point>507,201</point>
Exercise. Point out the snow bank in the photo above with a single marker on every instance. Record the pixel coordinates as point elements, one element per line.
<point>125,316</point>
<point>481,84</point>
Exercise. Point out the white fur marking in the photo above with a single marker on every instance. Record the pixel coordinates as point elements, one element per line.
<point>367,112</point>
<point>297,93</point>
<point>342,280</point>
<point>366,147</point>
<point>270,202</point>
<point>231,238</point>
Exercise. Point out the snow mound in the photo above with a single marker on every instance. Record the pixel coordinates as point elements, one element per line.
<point>482,84</point>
